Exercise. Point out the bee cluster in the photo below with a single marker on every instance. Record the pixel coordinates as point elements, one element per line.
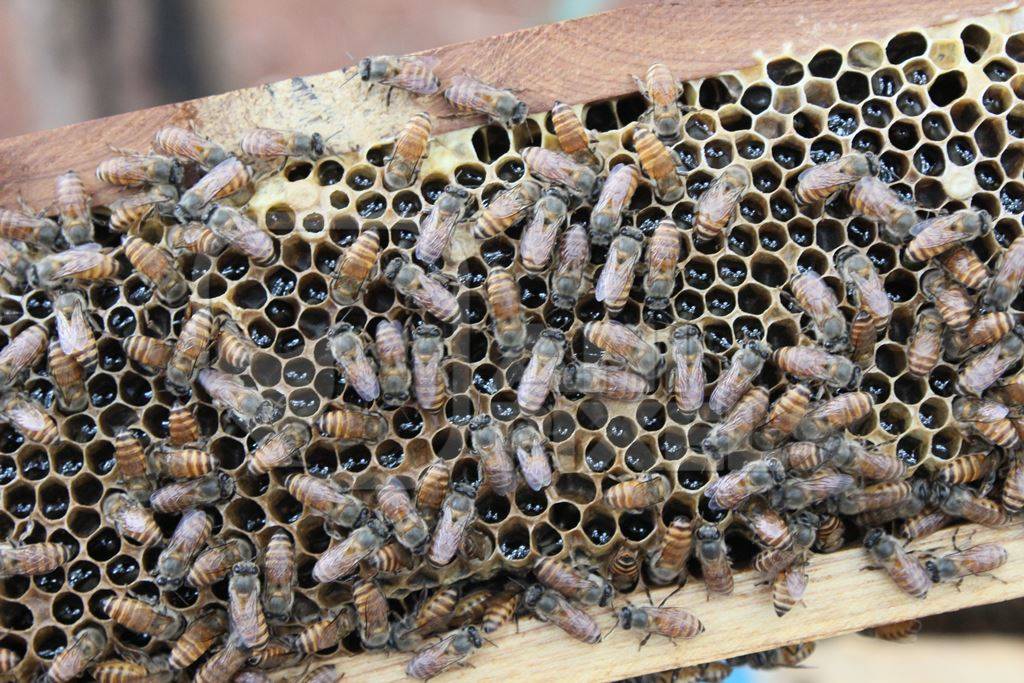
<point>277,400</point>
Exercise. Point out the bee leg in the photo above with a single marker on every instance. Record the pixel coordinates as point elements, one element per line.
<point>387,98</point>
<point>644,641</point>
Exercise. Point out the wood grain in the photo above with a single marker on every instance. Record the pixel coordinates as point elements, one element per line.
<point>576,61</point>
<point>842,598</point>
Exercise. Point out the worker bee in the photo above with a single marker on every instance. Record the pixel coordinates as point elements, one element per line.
<point>783,417</point>
<point>622,345</point>
<point>797,494</point>
<point>616,194</point>
<point>924,347</point>
<point>660,164</point>
<point>662,260</point>
<point>142,616</point>
<point>183,495</point>
<point>135,668</point>
<point>29,419</point>
<point>934,236</point>
<point>439,224</point>
<point>191,350</point>
<point>573,138</point>
<point>833,415</point>
<point>735,429</point>
<point>803,456</point>
<point>1013,484</point>
<point>280,447</point>
<point>248,623</point>
<point>635,494</point>
<point>815,364</point>
<point>450,651</point>
<point>616,276</point>
<point>863,336</point>
<point>716,208</point>
<point>602,381</point>
<point>433,614</point>
<point>768,526</point>
<point>431,488</point>
<point>714,560</point>
<point>159,268</point>
<point>817,299</point>
<point>395,377</point>
<point>223,664</point>
<point>354,267</point>
<point>670,622</point>
<point>872,198</point>
<point>979,559</point>
<point>85,263</point>
<point>202,632</point>
<point>887,494</point>
<point>981,371</point>
<point>238,230</point>
<point>185,463</point>
<point>500,608</point>
<point>624,568</point>
<point>347,349</point>
<point>15,264</point>
<point>328,673</point>
<point>853,458</point>
<point>966,467</point>
<point>561,170</point>
<point>803,533</point>
<point>129,212</point>
<point>1005,283</point>
<point>265,143</point>
<point>788,588</point>
<point>214,563</point>
<point>392,558</point>
<point>505,209</point>
<point>279,575</point>
<point>223,180</point>
<point>537,244</point>
<point>897,632</point>
<point>234,348</point>
<point>532,455</point>
<point>75,212</point>
<point>960,501</point>
<point>730,491</point>
<point>426,292</point>
<point>246,406</point>
<point>457,514</point>
<point>397,508</point>
<point>822,181</point>
<point>353,425</point>
<point>183,428</point>
<point>71,662</point>
<point>471,607</point>
<point>429,383</point>
<point>408,152</point>
<point>992,420</point>
<point>189,537</point>
<point>905,571</point>
<point>506,312</point>
<point>470,96</point>
<point>326,632</point>
<point>863,284</point>
<point>951,300</point>
<point>983,330</point>
<point>139,169</point>
<point>21,353</point>
<point>68,378</point>
<point>415,74</point>
<point>372,611</point>
<point>662,92</point>
<point>180,142</point>
<point>550,606</point>
<point>669,561</point>
<point>489,446</point>
<point>687,378</point>
<point>737,379</point>
<point>32,230</point>
<point>149,352</point>
<point>540,375</point>
<point>964,266</point>
<point>830,535</point>
<point>573,257</point>
<point>130,520</point>
<point>326,498</point>
<point>74,330</point>
<point>196,238</point>
<point>33,559</point>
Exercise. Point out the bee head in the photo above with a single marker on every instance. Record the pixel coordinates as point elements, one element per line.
<point>393,267</point>
<point>985,221</point>
<point>708,532</point>
<point>871,162</point>
<point>479,422</point>
<point>626,618</point>
<point>317,144</point>
<point>533,595</point>
<point>554,334</point>
<point>519,113</point>
<point>466,488</point>
<point>366,68</point>
<point>606,595</point>
<point>245,569</point>
<point>873,538</point>
<point>776,470</point>
<point>932,567</point>
<point>474,636</point>
<point>940,492</point>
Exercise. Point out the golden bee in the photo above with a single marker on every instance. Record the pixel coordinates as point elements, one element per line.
<point>872,198</point>
<point>982,370</point>
<point>769,528</point>
<point>28,418</point>
<point>660,164</point>
<point>531,451</point>
<point>602,381</point>
<point>32,559</point>
<point>662,91</point>
<point>68,378</point>
<point>537,244</point>
<point>412,73</point>
<point>669,561</point>
<point>438,226</point>
<point>561,170</point>
<point>507,318</point>
<point>191,350</point>
<point>616,276</point>
<point>863,336</point>
<point>567,276</point>
<point>328,673</point>
<point>236,229</point>
<point>616,194</point>
<point>279,575</point>
<point>471,96</point>
<point>863,285</point>
<point>142,616</point>
<point>326,498</point>
<point>326,632</point>
<point>905,570</point>
<point>983,330</point>
<point>183,428</point>
<point>924,348</point>
<point>815,364</point>
<point>245,405</point>
<point>964,266</point>
<point>573,137</point>
<point>432,615</point>
<point>951,300</point>
<point>735,429</point>
<point>395,378</point>
<point>425,291</point>
<point>471,607</point>
<point>139,169</point>
<point>820,182</point>
<point>505,209</point>
<point>343,558</point>
<point>135,669</point>
<point>887,494</point>
<point>248,623</point>
<point>500,608</point>
<point>392,558</point>
<point>214,563</point>
<point>457,514</point>
<point>450,651</point>
<point>730,491</point>
<point>803,532</point>
<point>671,622</point>
<point>830,535</point>
<point>960,501</point>
<point>372,612</point>
<point>1005,284</point>
<point>783,417</point>
<point>32,230</point>
<point>495,461</point>
<point>833,414</point>
<point>234,348</point>
<point>159,268</point>
<point>130,519</point>
<point>22,352</point>
<point>717,206</point>
<point>966,467</point>
<point>896,632</point>
<point>129,212</point>
<point>797,494</point>
<point>183,495</point>
<point>587,588</point>
<point>431,489</point>
<point>934,236</point>
<point>429,382</point>
<point>353,425</point>
<point>739,377</point>
<point>818,300</point>
<point>193,531</point>
<point>1013,486</point>
<point>223,664</point>
<point>87,646</point>
<point>180,142</point>
<point>788,588</point>
<point>196,238</point>
<point>635,494</point>
<point>398,509</point>
<point>408,152</point>
<point>688,379</point>
<point>73,202</point>
<point>854,458</point>
<point>85,263</point>
<point>280,447</point>
<point>992,420</point>
<point>621,345</point>
<point>662,260</point>
<point>803,456</point>
<point>540,376</point>
<point>266,143</point>
<point>550,606</point>
<point>151,353</point>
<point>354,267</point>
<point>75,330</point>
<point>223,180</point>
<point>714,560</point>
<point>979,559</point>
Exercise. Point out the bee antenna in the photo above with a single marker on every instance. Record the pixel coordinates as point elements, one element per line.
<point>488,640</point>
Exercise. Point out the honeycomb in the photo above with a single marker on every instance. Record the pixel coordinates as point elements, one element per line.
<point>942,111</point>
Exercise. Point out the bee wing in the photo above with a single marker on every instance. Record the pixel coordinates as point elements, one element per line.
<point>690,383</point>
<point>871,292</point>
<point>939,223</point>
<point>796,582</point>
<point>438,657</point>
<point>719,201</point>
<point>937,237</point>
<point>435,232</point>
<point>72,263</point>
<point>74,334</point>
<point>27,416</point>
<point>673,622</point>
<point>989,411</point>
<point>822,177</point>
<point>618,270</point>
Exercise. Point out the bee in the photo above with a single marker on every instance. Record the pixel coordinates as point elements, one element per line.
<point>140,169</point>
<point>964,266</point>
<point>767,525</point>
<point>783,416</point>
<point>505,209</point>
<point>730,491</point>
<point>832,415</point>
<point>506,312</point>
<point>644,491</point>
<point>983,330</point>
<point>923,524</point>
<point>1013,484</point>
<point>395,377</point>
<point>246,405</point>
<point>342,558</point>
<point>180,142</point>
<point>817,299</point>
<point>803,456</point>
<point>500,608</point>
<point>540,375</point>
<point>872,198</point>
<point>897,632</point>
<point>326,632</point>
<point>887,494</point>
<point>392,558</point>
<point>457,514</point>
<point>84,263</point>
<point>624,568</point>
<point>130,519</point>
<point>149,352</point>
<point>966,467</point>
<point>21,353</point>
<point>797,494</point>
<point>853,458</point>
<point>924,347</point>
<point>183,428</point>
<point>471,607</point>
<point>934,236</point>
<point>223,664</point>
<point>431,487</point>
<point>184,495</point>
<point>159,268</point>
<point>236,229</point>
<point>981,371</point>
<point>739,377</point>
<point>573,138</point>
<point>550,606</point>
<point>196,238</point>
<point>531,451</point>
<point>714,560</point>
<point>662,260</point>
<point>670,622</point>
<point>372,611</point>
<point>397,508</point>
<point>602,381</point>
<point>135,669</point>
<point>191,350</point>
<point>863,336</point>
<point>326,498</point>
<point>959,501</point>
<point>660,164</point>
<point>439,224</point>
<point>788,589</point>
<point>9,659</point>
<point>616,194</point>
<point>450,651</point>
<point>328,673</point>
<point>712,672</point>
<point>32,230</point>
<point>979,559</point>
<point>1005,283</point>
<point>803,532</point>
<point>669,561</point>
<point>735,429</point>
<point>433,614</point>
<point>537,244</point>
<point>74,330</point>
<point>587,588</point>
<point>470,96</point>
<point>863,285</point>
<point>15,264</point>
<point>717,206</point>
<point>414,74</point>
<point>561,170</point>
<point>71,662</point>
<point>905,571</point>
<point>33,559</point>
<point>429,383</point>
<point>129,212</point>
<point>426,292</point>
<point>29,419</point>
<point>354,267</point>
<point>992,420</point>
<point>233,346</point>
<point>248,623</point>
<point>815,364</point>
<point>687,378</point>
<point>616,276</point>
<point>143,617</point>
<point>280,447</point>
<point>830,535</point>
<point>1009,390</point>
<point>573,257</point>
<point>353,425</point>
<point>266,143</point>
<point>189,537</point>
<point>279,574</point>
<point>223,180</point>
<point>662,92</point>
<point>409,151</point>
<point>820,182</point>
<point>74,206</point>
<point>950,299</point>
<point>489,446</point>
<point>214,563</point>
<point>623,346</point>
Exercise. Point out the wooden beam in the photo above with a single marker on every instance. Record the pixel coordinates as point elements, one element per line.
<point>575,61</point>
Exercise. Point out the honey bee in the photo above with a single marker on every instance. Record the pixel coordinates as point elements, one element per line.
<point>142,616</point>
<point>214,563</point>
<point>992,420</point>
<point>236,229</point>
<point>540,374</point>
<point>815,364</point>
<point>669,561</point>
<point>662,92</point>
<point>191,350</point>
<point>149,352</point>
<point>983,330</point>
<point>500,608</point>
<point>872,198</point>
<point>353,425</point>
<point>68,378</point>
<point>129,212</point>
<point>75,212</point>
<point>602,381</point>
<point>325,632</point>
<point>71,662</point>
<point>183,428</point>
<point>714,560</point>
<point>439,224</point>
<point>130,519</point>
<point>687,378</point>
<point>537,244</point>
<point>797,494</point>
<point>532,454</point>
<point>788,589</point>
<point>561,170</point>
<point>506,312</point>
<point>853,458</point>
<point>863,336</point>
<point>624,568</point>
<point>139,169</point>
<point>803,533</point>
<point>924,347</point>
<point>979,559</point>
<point>505,209</point>
<point>833,415</point>
<point>789,656</point>
<point>450,651</point>
<point>343,558</point>
<point>964,266</point>
<point>140,669</point>
<point>670,622</point>
<point>328,673</point>
<point>981,371</point>
<point>739,377</point>
<point>246,406</point>
<point>84,263</point>
<point>372,611</point>
<point>716,208</point>
<point>408,152</point>
<point>573,138</point>
<point>248,623</point>
<point>196,238</point>
<point>662,261</point>
<point>279,574</point>
<point>326,498</point>
<point>397,508</point>
<point>433,614</point>
<point>830,535</point>
<point>588,588</point>
<point>471,96</point>
<point>1013,484</point>
<point>822,181</point>
<point>923,524</point>
<point>280,447</point>
<point>644,491</point>
<point>395,377</point>
<point>730,491</point>
<point>431,488</point>
<point>223,180</point>
<point>489,446</point>
<point>1006,282</point>
<point>959,501</point>
<point>783,416</point>
<point>897,632</point>
<point>550,606</point>
<point>905,571</point>
<point>21,353</point>
<point>31,230</point>
<point>819,302</point>
<point>950,299</point>
<point>887,494</point>
<point>803,456</point>
<point>29,419</point>
<point>966,467</point>
<point>266,143</point>
<point>33,559</point>
<point>934,236</point>
<point>457,514</point>
<point>616,276</point>
<point>354,268</point>
<point>223,664</point>
<point>74,330</point>
<point>157,266</point>
<point>573,257</point>
<point>234,348</point>
<point>623,346</point>
<point>735,429</point>
<point>863,285</point>
<point>392,558</point>
<point>189,537</point>
<point>616,194</point>
<point>184,495</point>
<point>426,292</point>
<point>180,142</point>
<point>414,74</point>
<point>15,264</point>
<point>660,164</point>
<point>429,383</point>
<point>767,525</point>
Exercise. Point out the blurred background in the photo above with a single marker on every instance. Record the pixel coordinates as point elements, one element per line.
<point>66,61</point>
